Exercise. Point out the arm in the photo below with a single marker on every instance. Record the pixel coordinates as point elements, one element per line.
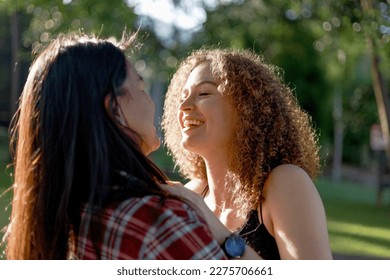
<point>294,214</point>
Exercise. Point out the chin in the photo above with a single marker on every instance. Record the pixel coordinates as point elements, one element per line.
<point>186,145</point>
<point>150,147</point>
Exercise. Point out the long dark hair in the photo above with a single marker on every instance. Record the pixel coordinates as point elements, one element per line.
<point>67,149</point>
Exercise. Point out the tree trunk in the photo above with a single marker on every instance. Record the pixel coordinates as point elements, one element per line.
<point>338,136</point>
<point>15,65</point>
<point>381,93</point>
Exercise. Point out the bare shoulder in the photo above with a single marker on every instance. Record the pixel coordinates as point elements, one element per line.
<point>288,177</point>
<point>294,214</point>
<point>290,187</point>
<point>284,170</point>
<point>196,185</point>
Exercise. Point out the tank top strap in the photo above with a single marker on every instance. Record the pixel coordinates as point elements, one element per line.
<point>204,191</point>
<point>261,212</point>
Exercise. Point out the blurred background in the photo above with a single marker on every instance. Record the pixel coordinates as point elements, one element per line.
<point>334,54</point>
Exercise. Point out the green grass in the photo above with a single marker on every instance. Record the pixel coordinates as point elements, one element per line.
<point>357,226</point>
<point>5,183</point>
<point>5,210</point>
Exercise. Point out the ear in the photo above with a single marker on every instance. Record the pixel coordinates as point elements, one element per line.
<point>107,104</point>
<point>113,110</point>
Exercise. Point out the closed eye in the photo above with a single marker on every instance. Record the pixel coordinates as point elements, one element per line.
<point>204,94</point>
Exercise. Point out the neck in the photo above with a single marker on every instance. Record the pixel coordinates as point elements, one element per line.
<point>217,198</point>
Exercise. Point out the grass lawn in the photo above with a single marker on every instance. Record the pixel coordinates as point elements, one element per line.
<point>5,182</point>
<point>5,211</point>
<point>357,227</point>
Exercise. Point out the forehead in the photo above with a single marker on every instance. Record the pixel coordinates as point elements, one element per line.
<point>131,70</point>
<point>200,74</point>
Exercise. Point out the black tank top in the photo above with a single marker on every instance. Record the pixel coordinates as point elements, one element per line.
<point>257,236</point>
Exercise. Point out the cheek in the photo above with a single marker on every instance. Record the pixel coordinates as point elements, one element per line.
<point>179,115</point>
<point>130,112</point>
<point>229,121</point>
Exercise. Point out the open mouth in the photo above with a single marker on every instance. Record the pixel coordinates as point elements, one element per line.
<point>188,123</point>
<point>192,123</point>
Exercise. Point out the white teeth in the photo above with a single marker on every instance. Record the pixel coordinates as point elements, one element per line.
<point>192,123</point>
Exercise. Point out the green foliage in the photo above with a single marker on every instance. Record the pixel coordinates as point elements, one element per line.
<point>11,6</point>
<point>107,18</point>
<point>5,58</point>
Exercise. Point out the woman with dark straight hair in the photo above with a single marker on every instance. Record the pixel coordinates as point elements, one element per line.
<point>84,187</point>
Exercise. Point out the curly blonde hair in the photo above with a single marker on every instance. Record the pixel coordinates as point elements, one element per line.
<point>272,128</point>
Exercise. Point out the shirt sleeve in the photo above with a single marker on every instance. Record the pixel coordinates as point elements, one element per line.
<point>179,233</point>
<point>168,231</point>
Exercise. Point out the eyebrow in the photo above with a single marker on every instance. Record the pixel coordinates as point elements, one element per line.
<point>199,84</point>
<point>205,82</point>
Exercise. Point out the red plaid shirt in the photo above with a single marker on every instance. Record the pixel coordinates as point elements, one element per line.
<point>140,228</point>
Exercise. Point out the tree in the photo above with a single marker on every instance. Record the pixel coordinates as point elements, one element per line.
<point>14,54</point>
<point>380,90</point>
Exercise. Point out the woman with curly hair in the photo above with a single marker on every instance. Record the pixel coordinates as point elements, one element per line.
<point>236,130</point>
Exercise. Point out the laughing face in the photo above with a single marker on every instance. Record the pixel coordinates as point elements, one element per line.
<point>205,116</point>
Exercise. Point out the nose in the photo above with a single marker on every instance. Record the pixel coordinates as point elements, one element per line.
<point>187,103</point>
